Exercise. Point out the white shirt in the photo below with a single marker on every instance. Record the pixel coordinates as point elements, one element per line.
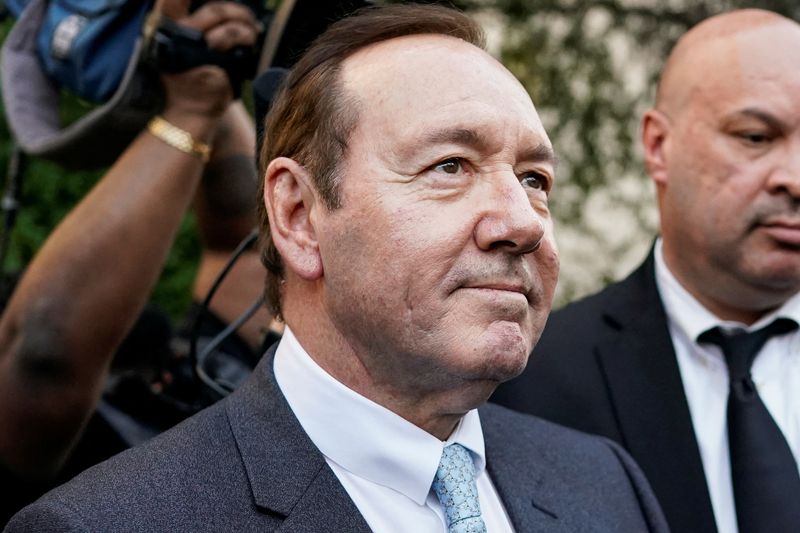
<point>775,371</point>
<point>385,463</point>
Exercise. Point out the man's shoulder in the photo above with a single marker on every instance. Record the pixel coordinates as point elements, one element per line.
<point>531,434</point>
<point>572,331</point>
<point>628,289</point>
<point>176,479</point>
<point>568,473</point>
<point>592,304</point>
<point>561,450</point>
<point>581,323</point>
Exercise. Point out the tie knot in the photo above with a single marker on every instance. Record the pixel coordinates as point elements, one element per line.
<point>740,348</point>
<point>454,485</point>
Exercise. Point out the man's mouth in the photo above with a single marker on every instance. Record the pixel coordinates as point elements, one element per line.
<point>501,288</point>
<point>784,230</point>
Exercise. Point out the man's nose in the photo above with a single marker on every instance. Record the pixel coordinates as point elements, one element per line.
<point>785,176</point>
<point>509,220</point>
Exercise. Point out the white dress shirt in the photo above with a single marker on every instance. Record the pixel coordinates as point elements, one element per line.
<point>385,463</point>
<point>775,371</point>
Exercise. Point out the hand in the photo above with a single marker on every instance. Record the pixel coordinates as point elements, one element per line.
<point>225,25</point>
<point>206,90</point>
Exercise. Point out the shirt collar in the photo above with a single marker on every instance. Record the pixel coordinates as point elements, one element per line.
<point>362,436</point>
<point>692,318</point>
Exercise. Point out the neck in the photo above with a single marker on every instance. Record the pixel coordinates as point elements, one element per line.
<point>433,409</point>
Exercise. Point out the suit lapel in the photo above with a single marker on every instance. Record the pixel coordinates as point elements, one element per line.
<point>644,383</point>
<point>288,476</point>
<point>522,491</point>
<point>325,506</point>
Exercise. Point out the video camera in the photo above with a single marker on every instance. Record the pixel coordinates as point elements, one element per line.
<point>120,61</point>
<point>176,48</point>
<point>288,31</point>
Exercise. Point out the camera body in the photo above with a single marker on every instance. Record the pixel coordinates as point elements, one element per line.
<point>176,48</point>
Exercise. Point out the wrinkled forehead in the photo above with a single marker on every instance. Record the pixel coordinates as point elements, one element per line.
<point>407,85</point>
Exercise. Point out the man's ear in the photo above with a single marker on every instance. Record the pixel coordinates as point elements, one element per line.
<point>289,198</point>
<point>655,133</point>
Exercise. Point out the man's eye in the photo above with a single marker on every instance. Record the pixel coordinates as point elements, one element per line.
<point>449,166</point>
<point>534,181</point>
<point>754,137</point>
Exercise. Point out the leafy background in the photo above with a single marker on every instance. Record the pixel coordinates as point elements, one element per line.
<point>590,67</point>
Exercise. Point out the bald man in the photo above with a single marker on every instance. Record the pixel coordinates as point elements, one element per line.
<point>661,362</point>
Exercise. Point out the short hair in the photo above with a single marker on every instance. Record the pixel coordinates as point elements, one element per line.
<point>311,119</point>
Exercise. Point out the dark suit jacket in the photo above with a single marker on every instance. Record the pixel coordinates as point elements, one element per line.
<point>245,464</point>
<point>606,365</point>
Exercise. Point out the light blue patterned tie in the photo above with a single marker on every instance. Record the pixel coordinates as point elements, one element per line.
<point>455,487</point>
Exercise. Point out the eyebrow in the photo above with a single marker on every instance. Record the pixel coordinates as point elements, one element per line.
<point>541,153</point>
<point>463,136</point>
<point>768,118</point>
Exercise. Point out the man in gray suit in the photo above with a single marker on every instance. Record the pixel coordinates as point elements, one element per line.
<point>410,251</point>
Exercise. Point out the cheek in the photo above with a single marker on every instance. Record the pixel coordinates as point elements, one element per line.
<point>689,196</point>
<point>408,249</point>
<point>727,205</point>
<point>546,264</point>
<point>428,238</point>
<point>714,166</point>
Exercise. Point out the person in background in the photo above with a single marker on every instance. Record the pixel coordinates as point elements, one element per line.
<point>410,251</point>
<point>693,362</point>
<point>87,285</point>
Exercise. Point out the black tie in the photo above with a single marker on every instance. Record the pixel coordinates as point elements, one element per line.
<point>766,483</point>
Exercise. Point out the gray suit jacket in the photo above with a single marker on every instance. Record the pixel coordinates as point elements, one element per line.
<point>245,464</point>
